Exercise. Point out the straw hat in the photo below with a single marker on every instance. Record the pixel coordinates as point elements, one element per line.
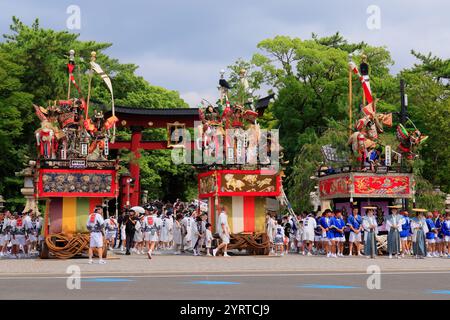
<point>370,208</point>
<point>397,206</point>
<point>419,210</point>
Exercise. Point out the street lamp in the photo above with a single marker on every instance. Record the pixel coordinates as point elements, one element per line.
<point>129,181</point>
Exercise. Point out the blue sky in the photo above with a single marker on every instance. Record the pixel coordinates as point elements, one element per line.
<point>182,44</point>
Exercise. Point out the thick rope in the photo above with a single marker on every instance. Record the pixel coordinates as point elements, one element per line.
<point>256,243</point>
<point>65,246</point>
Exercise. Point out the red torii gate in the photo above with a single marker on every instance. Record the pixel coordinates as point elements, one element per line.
<point>138,119</point>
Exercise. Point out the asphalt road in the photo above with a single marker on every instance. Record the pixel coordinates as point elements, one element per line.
<point>255,285</point>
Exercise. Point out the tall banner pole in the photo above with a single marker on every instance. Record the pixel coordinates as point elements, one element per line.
<point>350,94</point>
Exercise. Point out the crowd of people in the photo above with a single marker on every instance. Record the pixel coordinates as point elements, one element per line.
<point>183,228</point>
<point>427,234</point>
<point>165,227</point>
<point>20,234</point>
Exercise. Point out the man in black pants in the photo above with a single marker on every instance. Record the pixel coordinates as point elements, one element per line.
<point>130,222</point>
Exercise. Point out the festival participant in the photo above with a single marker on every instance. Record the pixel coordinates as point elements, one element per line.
<point>30,231</point>
<point>187,232</point>
<point>208,239</point>
<point>166,230</point>
<point>123,235</point>
<point>2,233</point>
<point>419,228</point>
<point>370,226</point>
<point>224,233</point>
<point>111,227</point>
<point>405,234</point>
<point>326,235</point>
<point>197,234</point>
<point>309,225</point>
<point>446,232</point>
<point>152,227</point>
<point>354,222</point>
<point>292,234</point>
<point>338,238</point>
<point>18,235</point>
<point>438,219</point>
<point>431,236</point>
<point>177,234</point>
<point>5,233</point>
<point>287,233</point>
<point>95,224</point>
<point>279,238</point>
<point>299,234</point>
<point>270,230</point>
<point>138,238</point>
<point>318,236</point>
<point>130,220</point>
<point>394,227</point>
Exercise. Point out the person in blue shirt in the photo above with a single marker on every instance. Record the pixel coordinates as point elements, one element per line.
<point>337,227</point>
<point>431,236</point>
<point>324,223</point>
<point>405,234</point>
<point>438,219</point>
<point>354,222</point>
<point>446,232</point>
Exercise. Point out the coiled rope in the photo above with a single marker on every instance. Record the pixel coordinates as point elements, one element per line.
<point>255,243</point>
<point>65,246</point>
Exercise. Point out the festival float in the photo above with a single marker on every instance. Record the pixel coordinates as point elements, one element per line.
<point>234,173</point>
<point>379,176</point>
<point>72,173</point>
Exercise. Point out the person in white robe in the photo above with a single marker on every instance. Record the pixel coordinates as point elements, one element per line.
<point>370,227</point>
<point>177,234</point>
<point>419,229</point>
<point>394,227</point>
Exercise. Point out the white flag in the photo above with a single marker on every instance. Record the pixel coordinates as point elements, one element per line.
<point>102,74</point>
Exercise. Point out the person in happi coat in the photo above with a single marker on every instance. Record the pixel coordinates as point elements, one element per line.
<point>95,225</point>
<point>431,236</point>
<point>370,226</point>
<point>166,231</point>
<point>5,232</point>
<point>446,232</point>
<point>438,220</point>
<point>111,227</point>
<point>405,234</point>
<point>139,235</point>
<point>324,223</point>
<point>152,229</point>
<point>18,235</point>
<point>338,226</point>
<point>419,229</point>
<point>394,226</point>
<point>354,222</point>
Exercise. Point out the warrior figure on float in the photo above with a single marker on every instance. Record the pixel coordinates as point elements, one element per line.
<point>67,131</point>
